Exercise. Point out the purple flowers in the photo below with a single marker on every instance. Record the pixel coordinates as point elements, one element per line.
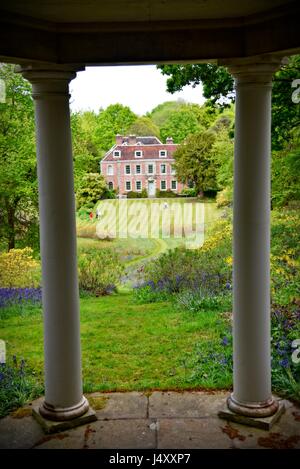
<point>284,363</point>
<point>225,341</point>
<point>16,296</point>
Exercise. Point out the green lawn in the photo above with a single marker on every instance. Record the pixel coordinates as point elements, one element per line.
<point>172,224</point>
<point>125,346</point>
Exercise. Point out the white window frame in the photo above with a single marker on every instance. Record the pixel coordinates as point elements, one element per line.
<point>172,188</point>
<point>153,166</point>
<point>163,164</point>
<point>117,154</point>
<point>163,180</point>
<point>161,153</point>
<point>138,190</point>
<point>173,170</point>
<point>110,166</point>
<point>138,156</point>
<point>112,184</point>
<point>140,169</point>
<point>127,182</point>
<point>126,166</point>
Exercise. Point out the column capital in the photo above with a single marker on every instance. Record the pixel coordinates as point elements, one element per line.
<point>254,70</point>
<point>49,80</point>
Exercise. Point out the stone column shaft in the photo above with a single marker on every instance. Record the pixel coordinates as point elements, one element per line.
<point>63,382</point>
<point>251,241</point>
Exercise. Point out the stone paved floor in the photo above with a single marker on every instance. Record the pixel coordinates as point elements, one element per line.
<point>160,420</point>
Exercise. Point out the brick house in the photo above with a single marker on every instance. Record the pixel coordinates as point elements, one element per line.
<point>137,163</point>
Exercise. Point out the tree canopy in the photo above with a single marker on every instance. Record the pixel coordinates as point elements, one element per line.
<point>218,88</point>
<point>18,178</point>
<point>194,162</point>
<point>115,119</point>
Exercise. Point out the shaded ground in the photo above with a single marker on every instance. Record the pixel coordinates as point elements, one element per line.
<point>155,420</point>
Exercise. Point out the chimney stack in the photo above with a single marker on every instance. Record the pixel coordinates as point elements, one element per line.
<point>119,139</point>
<point>169,141</point>
<point>132,140</point>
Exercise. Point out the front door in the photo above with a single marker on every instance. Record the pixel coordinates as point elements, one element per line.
<point>151,189</point>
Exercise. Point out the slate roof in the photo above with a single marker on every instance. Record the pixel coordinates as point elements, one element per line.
<point>149,145</point>
<point>150,152</point>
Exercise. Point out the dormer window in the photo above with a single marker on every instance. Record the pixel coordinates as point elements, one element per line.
<point>162,153</point>
<point>117,154</point>
<point>138,154</point>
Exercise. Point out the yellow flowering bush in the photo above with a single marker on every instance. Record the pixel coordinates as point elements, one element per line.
<point>18,269</point>
<point>221,233</point>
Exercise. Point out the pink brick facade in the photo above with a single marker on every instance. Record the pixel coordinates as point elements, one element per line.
<point>137,163</point>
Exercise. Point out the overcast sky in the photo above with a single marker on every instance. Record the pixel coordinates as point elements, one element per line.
<point>140,87</point>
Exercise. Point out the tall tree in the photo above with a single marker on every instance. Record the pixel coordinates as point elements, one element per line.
<point>144,126</point>
<point>194,162</point>
<point>87,151</point>
<point>18,179</point>
<point>92,188</point>
<point>115,119</point>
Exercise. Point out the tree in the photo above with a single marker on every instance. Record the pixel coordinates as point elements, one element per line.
<point>160,114</point>
<point>222,155</point>
<point>217,82</point>
<point>87,151</point>
<point>180,124</point>
<point>18,178</point>
<point>285,113</point>
<point>92,188</point>
<point>218,88</point>
<point>115,119</point>
<point>286,172</point>
<point>144,126</point>
<point>194,162</point>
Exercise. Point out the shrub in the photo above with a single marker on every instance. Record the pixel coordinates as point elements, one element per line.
<point>146,293</point>
<point>285,254</point>
<point>166,194</point>
<point>109,194</point>
<point>199,300</point>
<point>137,195</point>
<point>189,192</point>
<point>18,385</point>
<point>224,198</point>
<point>19,269</point>
<point>99,270</point>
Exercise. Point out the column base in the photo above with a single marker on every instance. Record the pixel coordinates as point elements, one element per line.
<point>64,418</point>
<point>259,415</point>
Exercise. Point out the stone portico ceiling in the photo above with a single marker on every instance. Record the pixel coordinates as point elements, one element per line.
<point>145,31</point>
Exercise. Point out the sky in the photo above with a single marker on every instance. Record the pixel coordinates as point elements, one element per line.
<point>140,87</point>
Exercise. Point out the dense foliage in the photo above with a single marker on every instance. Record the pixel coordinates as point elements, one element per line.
<point>18,269</point>
<point>218,88</point>
<point>18,179</point>
<point>18,385</point>
<point>99,270</point>
<point>194,163</point>
<point>91,189</point>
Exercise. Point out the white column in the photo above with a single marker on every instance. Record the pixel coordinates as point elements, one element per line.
<point>251,240</point>
<point>63,395</point>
